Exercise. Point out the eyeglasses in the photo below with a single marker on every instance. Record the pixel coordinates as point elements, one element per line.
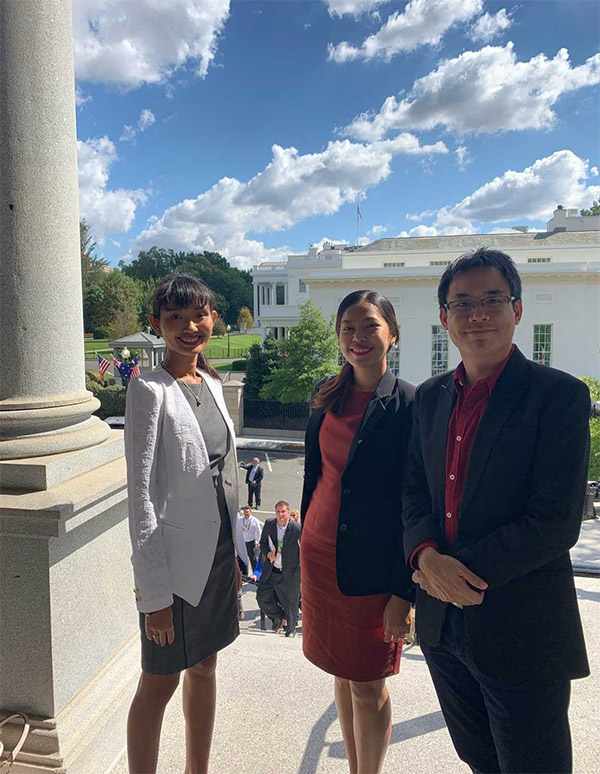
<point>488,304</point>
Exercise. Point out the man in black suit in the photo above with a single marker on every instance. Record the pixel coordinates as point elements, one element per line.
<point>492,504</point>
<point>254,477</point>
<point>278,591</point>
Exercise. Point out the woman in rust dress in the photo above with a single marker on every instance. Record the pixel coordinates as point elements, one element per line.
<point>356,586</point>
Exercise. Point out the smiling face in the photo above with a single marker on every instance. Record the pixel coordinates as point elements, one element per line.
<point>186,331</point>
<point>282,512</point>
<point>482,334</point>
<point>364,335</point>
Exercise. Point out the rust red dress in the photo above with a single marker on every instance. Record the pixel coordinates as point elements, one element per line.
<point>341,635</point>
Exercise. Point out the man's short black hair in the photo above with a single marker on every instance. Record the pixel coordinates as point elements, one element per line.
<point>484,256</point>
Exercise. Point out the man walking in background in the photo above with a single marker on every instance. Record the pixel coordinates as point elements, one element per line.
<point>494,493</point>
<point>250,529</point>
<point>279,584</point>
<point>254,477</point>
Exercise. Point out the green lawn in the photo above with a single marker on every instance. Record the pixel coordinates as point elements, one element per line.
<point>217,347</point>
<point>92,345</point>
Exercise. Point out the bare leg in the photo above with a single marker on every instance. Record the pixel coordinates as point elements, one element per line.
<point>145,720</point>
<point>199,702</point>
<point>372,711</point>
<point>343,702</point>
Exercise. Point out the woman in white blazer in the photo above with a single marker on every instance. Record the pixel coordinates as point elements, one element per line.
<point>182,487</point>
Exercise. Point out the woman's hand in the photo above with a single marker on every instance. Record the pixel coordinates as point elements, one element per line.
<point>159,626</point>
<point>396,619</point>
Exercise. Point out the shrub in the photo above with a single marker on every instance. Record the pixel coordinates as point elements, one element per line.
<point>239,365</point>
<point>112,399</point>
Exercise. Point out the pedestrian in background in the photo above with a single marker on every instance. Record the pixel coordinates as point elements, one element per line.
<point>356,586</point>
<point>254,477</point>
<point>182,487</point>
<point>279,584</point>
<point>249,531</point>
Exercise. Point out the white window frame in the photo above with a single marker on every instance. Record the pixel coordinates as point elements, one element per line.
<point>439,350</point>
<point>542,343</point>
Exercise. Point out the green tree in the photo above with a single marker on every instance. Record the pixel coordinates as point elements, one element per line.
<point>594,388</point>
<point>595,209</point>
<point>259,367</point>
<point>309,354</point>
<point>220,328</point>
<point>245,319</point>
<point>107,296</point>
<point>232,287</point>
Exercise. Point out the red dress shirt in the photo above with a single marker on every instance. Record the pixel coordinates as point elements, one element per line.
<point>471,404</point>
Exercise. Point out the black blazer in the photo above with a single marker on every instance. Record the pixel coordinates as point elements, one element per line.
<point>369,556</point>
<point>259,473</point>
<point>520,515</point>
<point>290,552</point>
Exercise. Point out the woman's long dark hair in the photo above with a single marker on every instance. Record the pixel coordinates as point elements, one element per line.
<point>183,290</point>
<point>333,395</point>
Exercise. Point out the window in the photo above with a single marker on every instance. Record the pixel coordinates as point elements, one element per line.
<point>439,350</point>
<point>393,264</point>
<point>280,295</point>
<point>440,263</point>
<point>543,298</point>
<point>542,344</point>
<point>539,260</point>
<point>393,359</point>
<point>301,286</point>
<point>265,294</point>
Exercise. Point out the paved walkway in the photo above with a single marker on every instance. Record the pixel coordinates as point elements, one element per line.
<point>276,713</point>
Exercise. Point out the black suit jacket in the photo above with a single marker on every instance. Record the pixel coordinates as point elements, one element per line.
<point>259,473</point>
<point>290,552</point>
<point>520,515</point>
<point>369,556</point>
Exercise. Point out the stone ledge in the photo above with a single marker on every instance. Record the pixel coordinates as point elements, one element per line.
<point>37,474</point>
<point>65,506</point>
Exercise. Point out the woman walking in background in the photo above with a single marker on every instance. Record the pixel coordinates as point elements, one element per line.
<point>356,587</point>
<point>182,486</point>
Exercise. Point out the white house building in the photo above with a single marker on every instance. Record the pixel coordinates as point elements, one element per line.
<point>560,270</point>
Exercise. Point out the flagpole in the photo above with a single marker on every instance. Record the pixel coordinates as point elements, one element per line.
<point>357,226</point>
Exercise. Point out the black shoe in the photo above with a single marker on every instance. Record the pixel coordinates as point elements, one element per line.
<point>290,633</point>
<point>277,624</point>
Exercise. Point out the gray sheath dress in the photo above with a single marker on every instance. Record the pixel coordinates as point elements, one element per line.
<point>213,625</point>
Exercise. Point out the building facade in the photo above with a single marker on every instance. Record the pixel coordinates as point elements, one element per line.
<point>560,270</point>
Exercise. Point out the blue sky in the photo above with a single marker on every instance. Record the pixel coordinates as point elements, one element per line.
<point>255,128</point>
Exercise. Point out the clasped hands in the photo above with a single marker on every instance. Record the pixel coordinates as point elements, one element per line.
<point>447,579</point>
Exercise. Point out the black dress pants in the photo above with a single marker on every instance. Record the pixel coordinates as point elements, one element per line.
<point>251,550</point>
<point>278,598</point>
<point>496,725</point>
<point>254,491</point>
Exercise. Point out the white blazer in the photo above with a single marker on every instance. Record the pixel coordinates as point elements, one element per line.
<point>174,519</point>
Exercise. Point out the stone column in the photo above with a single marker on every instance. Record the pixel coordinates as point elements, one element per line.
<point>233,393</point>
<point>44,405</point>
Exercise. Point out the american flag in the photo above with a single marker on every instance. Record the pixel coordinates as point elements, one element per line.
<point>127,370</point>
<point>358,212</point>
<point>103,366</point>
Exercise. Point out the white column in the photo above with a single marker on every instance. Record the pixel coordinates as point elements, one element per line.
<point>44,405</point>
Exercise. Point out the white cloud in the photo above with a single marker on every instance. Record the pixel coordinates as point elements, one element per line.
<point>351,7</point>
<point>422,22</point>
<point>291,188</point>
<point>487,27</point>
<point>594,172</point>
<point>482,91</point>
<point>131,43</point>
<point>80,97</point>
<point>419,215</point>
<point>531,194</point>
<point>376,231</point>
<point>146,119</point>
<point>107,212</point>
<point>430,231</point>
<point>463,157</point>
